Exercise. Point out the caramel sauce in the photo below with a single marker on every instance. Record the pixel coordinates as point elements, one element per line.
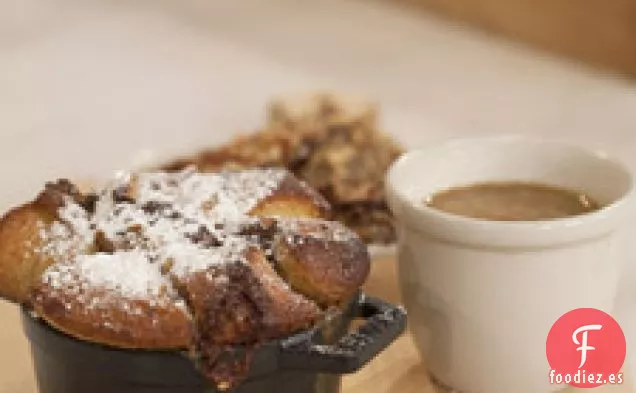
<point>512,201</point>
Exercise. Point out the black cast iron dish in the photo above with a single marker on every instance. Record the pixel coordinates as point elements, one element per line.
<point>308,362</point>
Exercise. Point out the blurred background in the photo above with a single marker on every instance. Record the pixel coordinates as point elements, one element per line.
<point>87,87</point>
<point>91,86</point>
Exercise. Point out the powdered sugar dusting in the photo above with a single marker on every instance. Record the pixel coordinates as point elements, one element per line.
<point>128,274</point>
<point>140,223</point>
<point>188,259</point>
<point>316,229</point>
<point>64,240</point>
<point>226,196</point>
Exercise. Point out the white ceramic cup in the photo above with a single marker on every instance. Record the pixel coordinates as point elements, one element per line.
<point>482,295</point>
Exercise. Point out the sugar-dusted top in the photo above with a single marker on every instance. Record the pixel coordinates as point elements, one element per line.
<point>140,224</point>
<point>126,273</point>
<point>316,229</point>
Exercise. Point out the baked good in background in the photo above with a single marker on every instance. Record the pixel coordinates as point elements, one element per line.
<point>331,142</point>
<point>181,260</point>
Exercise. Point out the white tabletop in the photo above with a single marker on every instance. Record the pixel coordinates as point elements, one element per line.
<point>87,87</point>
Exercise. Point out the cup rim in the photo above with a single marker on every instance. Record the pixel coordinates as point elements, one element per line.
<point>491,233</point>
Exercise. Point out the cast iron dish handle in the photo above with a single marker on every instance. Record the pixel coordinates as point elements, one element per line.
<point>384,322</point>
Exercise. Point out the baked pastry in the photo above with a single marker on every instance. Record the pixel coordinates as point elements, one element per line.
<point>330,142</point>
<point>181,260</point>
<point>305,250</point>
<point>21,239</point>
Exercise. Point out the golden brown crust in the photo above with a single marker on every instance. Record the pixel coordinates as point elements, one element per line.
<point>22,258</point>
<point>292,198</point>
<point>128,323</point>
<point>119,299</point>
<point>20,238</point>
<point>322,260</point>
<point>285,312</point>
<point>20,266</point>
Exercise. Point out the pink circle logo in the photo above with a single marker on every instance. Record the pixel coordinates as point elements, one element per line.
<point>586,348</point>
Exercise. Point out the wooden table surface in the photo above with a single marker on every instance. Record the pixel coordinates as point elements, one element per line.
<point>398,369</point>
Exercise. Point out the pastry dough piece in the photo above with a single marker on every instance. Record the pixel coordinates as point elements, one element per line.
<point>119,299</point>
<point>323,260</point>
<point>292,198</point>
<point>23,250</point>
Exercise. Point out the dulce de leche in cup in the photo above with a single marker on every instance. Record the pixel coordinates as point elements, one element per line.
<point>498,238</point>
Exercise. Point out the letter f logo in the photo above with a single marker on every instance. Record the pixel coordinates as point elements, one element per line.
<point>583,343</point>
<point>585,329</point>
